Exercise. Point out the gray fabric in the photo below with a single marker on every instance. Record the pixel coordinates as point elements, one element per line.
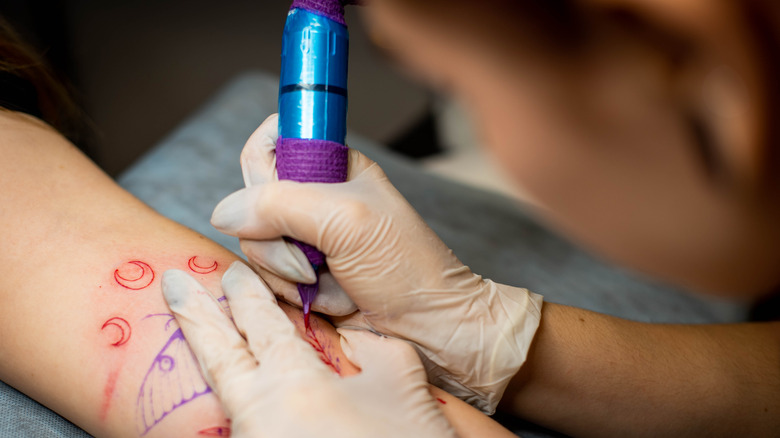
<point>22,417</point>
<point>197,165</point>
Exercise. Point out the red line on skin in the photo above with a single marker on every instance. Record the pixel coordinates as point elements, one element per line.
<point>315,343</point>
<point>215,431</point>
<point>201,269</point>
<point>144,279</point>
<point>441,401</point>
<point>108,393</point>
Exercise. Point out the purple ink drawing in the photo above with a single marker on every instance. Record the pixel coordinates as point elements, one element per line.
<point>173,380</point>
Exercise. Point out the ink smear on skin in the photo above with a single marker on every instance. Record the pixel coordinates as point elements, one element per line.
<point>223,302</point>
<point>441,401</point>
<point>108,393</point>
<point>306,323</point>
<point>215,431</point>
<point>199,267</point>
<point>324,357</point>
<point>134,275</point>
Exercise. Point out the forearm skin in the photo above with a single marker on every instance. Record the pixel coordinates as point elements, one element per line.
<point>590,374</point>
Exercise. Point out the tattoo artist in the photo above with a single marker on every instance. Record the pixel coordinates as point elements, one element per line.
<point>645,131</point>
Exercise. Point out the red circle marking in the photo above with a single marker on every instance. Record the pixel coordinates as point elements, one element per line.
<point>144,279</point>
<point>201,269</point>
<point>124,329</point>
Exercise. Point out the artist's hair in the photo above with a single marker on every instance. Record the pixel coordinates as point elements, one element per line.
<point>54,99</point>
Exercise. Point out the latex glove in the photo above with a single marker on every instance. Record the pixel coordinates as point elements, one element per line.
<point>258,166</point>
<point>474,334</point>
<point>272,383</point>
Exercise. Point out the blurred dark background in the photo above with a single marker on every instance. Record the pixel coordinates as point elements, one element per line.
<point>139,68</point>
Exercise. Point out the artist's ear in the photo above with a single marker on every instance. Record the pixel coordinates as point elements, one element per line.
<point>723,77</point>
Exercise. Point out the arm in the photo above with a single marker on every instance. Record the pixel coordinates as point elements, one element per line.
<point>81,267</point>
<point>593,374</point>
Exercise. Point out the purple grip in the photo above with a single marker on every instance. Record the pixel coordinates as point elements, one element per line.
<point>304,160</point>
<point>318,161</point>
<point>332,9</point>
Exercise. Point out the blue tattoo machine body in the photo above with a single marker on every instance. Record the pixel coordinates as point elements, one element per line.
<point>313,82</point>
<point>313,107</point>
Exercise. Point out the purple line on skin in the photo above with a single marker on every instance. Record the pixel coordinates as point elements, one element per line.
<point>167,324</point>
<point>172,381</point>
<point>223,302</point>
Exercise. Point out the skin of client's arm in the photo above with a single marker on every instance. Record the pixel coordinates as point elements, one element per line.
<point>85,329</point>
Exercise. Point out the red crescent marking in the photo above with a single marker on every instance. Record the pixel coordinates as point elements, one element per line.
<point>143,280</point>
<point>201,269</point>
<point>216,431</point>
<point>123,327</point>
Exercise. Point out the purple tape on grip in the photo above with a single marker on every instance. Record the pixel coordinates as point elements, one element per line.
<point>333,9</point>
<point>319,161</point>
<point>311,160</point>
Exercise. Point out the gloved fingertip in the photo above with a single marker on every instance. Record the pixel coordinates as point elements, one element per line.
<point>353,341</point>
<point>279,258</point>
<point>231,214</point>
<point>258,156</point>
<point>238,269</point>
<point>301,265</point>
<point>332,299</point>
<point>344,341</point>
<point>272,121</point>
<point>176,287</point>
<point>240,280</point>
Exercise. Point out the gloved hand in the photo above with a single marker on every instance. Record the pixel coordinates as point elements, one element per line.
<point>258,166</point>
<point>474,334</point>
<point>272,383</point>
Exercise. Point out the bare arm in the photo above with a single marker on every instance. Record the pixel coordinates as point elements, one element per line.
<point>590,374</point>
<point>85,329</point>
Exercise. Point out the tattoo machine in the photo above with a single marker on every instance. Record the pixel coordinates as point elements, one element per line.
<point>313,107</point>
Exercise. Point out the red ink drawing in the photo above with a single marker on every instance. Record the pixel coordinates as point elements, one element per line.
<point>324,357</point>
<point>124,330</point>
<point>215,431</point>
<point>134,275</point>
<point>441,401</point>
<point>201,268</point>
<point>108,393</point>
